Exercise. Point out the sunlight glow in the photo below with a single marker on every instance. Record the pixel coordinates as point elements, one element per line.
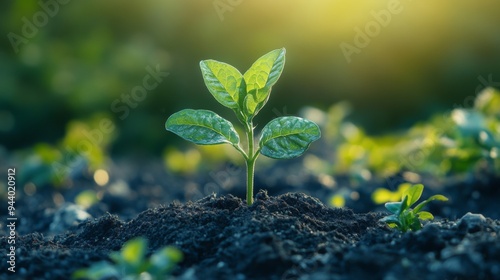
<point>101,177</point>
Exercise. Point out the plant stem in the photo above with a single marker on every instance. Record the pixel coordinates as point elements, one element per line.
<point>250,161</point>
<point>250,174</point>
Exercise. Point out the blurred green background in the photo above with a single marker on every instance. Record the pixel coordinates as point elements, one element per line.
<point>66,60</point>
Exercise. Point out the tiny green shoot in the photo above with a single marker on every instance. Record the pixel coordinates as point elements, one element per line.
<point>245,94</point>
<point>405,218</point>
<point>131,263</point>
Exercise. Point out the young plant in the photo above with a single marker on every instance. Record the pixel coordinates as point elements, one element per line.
<point>281,138</point>
<point>405,218</point>
<point>131,263</point>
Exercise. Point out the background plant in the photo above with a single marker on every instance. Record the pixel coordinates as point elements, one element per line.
<point>405,218</point>
<point>131,263</point>
<point>281,138</point>
<point>458,142</point>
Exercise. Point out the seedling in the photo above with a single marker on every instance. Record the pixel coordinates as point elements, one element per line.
<point>405,218</point>
<point>282,138</point>
<point>131,263</point>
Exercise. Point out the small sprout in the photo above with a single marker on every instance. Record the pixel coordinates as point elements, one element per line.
<point>405,218</point>
<point>245,94</point>
<point>131,263</point>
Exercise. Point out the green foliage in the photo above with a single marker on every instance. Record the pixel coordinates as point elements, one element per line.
<point>287,137</point>
<point>73,66</point>
<point>405,218</point>
<point>202,127</point>
<point>454,143</point>
<point>83,146</point>
<point>185,163</point>
<point>282,138</point>
<point>87,198</point>
<point>131,263</point>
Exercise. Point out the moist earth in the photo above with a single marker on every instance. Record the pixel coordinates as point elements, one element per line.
<point>288,236</point>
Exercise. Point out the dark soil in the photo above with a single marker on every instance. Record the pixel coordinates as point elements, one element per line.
<point>290,236</point>
<point>290,233</point>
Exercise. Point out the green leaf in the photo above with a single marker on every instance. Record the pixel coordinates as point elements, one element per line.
<point>100,270</point>
<point>468,121</point>
<point>393,207</point>
<point>390,219</point>
<point>224,82</point>
<point>415,225</point>
<point>202,127</point>
<point>260,78</point>
<point>240,112</point>
<point>288,137</point>
<point>404,204</point>
<point>166,255</point>
<point>164,260</point>
<point>440,197</point>
<point>134,250</point>
<point>424,215</point>
<point>393,225</point>
<point>414,193</point>
<point>251,105</point>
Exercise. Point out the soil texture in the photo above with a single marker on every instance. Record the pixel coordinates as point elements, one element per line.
<point>289,236</point>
